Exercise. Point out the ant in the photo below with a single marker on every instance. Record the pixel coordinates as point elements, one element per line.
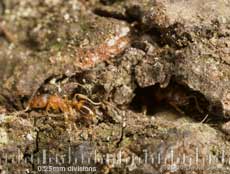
<point>174,95</point>
<point>49,102</point>
<point>57,103</point>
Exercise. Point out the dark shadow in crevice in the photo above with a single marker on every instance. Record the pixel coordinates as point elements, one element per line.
<point>177,97</point>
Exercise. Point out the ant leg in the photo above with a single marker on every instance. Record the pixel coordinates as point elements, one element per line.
<point>176,107</point>
<point>68,124</point>
<point>26,109</point>
<point>22,111</point>
<point>8,35</point>
<point>204,119</point>
<point>86,98</point>
<point>67,107</point>
<point>144,109</point>
<point>66,118</point>
<point>48,108</point>
<point>197,104</point>
<point>71,111</point>
<point>64,107</point>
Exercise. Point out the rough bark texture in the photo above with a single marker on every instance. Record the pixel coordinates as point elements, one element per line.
<point>119,53</point>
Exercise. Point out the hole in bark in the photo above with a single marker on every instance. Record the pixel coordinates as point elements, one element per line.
<point>175,97</point>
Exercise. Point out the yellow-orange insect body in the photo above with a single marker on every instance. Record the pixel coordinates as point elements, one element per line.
<point>49,102</point>
<point>57,103</point>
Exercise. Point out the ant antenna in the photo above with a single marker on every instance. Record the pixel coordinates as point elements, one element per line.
<point>86,98</point>
<point>204,119</point>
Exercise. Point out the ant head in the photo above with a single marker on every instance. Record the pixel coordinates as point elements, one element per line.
<point>181,98</point>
